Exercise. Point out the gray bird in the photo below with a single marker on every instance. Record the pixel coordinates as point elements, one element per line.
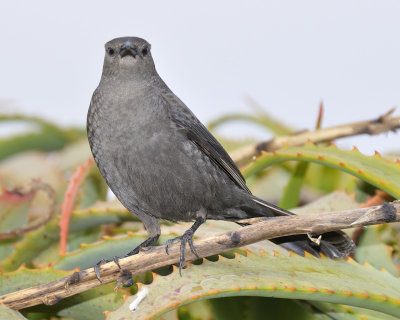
<point>161,162</point>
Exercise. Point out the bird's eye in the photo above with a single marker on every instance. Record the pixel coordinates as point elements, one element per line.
<point>145,51</point>
<point>110,51</point>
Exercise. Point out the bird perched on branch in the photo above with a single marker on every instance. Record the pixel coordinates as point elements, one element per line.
<point>162,162</point>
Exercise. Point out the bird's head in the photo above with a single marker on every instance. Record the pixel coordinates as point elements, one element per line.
<point>128,57</point>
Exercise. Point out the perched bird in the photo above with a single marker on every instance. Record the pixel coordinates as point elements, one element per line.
<point>162,162</point>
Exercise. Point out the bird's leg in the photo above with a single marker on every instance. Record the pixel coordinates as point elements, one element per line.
<point>187,237</point>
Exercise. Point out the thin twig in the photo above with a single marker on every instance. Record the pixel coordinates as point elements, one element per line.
<point>29,190</point>
<point>383,123</point>
<point>155,257</point>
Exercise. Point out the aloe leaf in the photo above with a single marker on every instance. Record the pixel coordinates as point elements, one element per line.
<point>49,137</point>
<point>291,195</point>
<point>85,187</point>
<point>38,240</point>
<point>379,172</point>
<point>14,211</point>
<point>263,119</point>
<point>24,278</point>
<point>335,201</point>
<point>254,308</point>
<point>343,312</point>
<point>89,254</point>
<point>17,170</point>
<point>73,155</point>
<point>51,253</point>
<point>291,277</point>
<point>91,304</point>
<point>88,305</point>
<point>198,310</point>
<point>9,314</point>
<point>373,250</point>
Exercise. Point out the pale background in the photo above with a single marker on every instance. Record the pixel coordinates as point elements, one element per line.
<point>287,55</point>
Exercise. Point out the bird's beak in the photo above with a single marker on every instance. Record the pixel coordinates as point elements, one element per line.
<point>128,49</point>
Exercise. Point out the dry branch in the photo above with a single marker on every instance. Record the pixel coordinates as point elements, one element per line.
<point>384,123</point>
<point>156,257</point>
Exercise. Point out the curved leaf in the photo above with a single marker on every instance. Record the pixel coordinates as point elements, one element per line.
<point>9,314</point>
<point>49,137</point>
<point>263,119</point>
<point>292,277</point>
<point>38,240</point>
<point>381,173</point>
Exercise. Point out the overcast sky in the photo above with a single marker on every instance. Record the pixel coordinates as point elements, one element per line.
<point>287,55</point>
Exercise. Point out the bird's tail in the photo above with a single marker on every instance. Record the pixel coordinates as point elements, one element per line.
<point>335,244</point>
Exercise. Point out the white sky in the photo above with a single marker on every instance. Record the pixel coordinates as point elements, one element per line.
<point>287,55</point>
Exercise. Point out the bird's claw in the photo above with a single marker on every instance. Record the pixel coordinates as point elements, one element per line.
<point>187,237</point>
<point>96,267</point>
<point>116,261</point>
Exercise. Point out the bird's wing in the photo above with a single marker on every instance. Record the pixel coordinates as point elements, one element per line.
<point>198,133</point>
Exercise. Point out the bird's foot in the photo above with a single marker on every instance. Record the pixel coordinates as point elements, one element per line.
<point>73,279</point>
<point>103,261</point>
<point>144,244</point>
<point>124,279</point>
<point>186,238</point>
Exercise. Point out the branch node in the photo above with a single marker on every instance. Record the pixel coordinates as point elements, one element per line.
<point>74,278</point>
<point>50,300</point>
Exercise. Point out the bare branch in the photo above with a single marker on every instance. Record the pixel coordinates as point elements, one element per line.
<point>155,257</point>
<point>383,123</point>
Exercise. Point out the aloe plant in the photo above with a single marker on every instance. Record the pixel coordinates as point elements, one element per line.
<point>259,281</point>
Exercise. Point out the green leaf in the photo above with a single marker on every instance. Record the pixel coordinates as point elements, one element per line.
<point>9,314</point>
<point>48,137</point>
<point>263,119</point>
<point>373,250</point>
<point>291,277</point>
<point>335,201</point>
<point>38,240</point>
<point>14,211</point>
<point>343,312</point>
<point>381,173</point>
<point>254,308</point>
<point>89,254</point>
<point>88,305</point>
<point>291,196</point>
<point>24,278</point>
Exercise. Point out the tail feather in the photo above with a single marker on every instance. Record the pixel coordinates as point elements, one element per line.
<point>334,244</point>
